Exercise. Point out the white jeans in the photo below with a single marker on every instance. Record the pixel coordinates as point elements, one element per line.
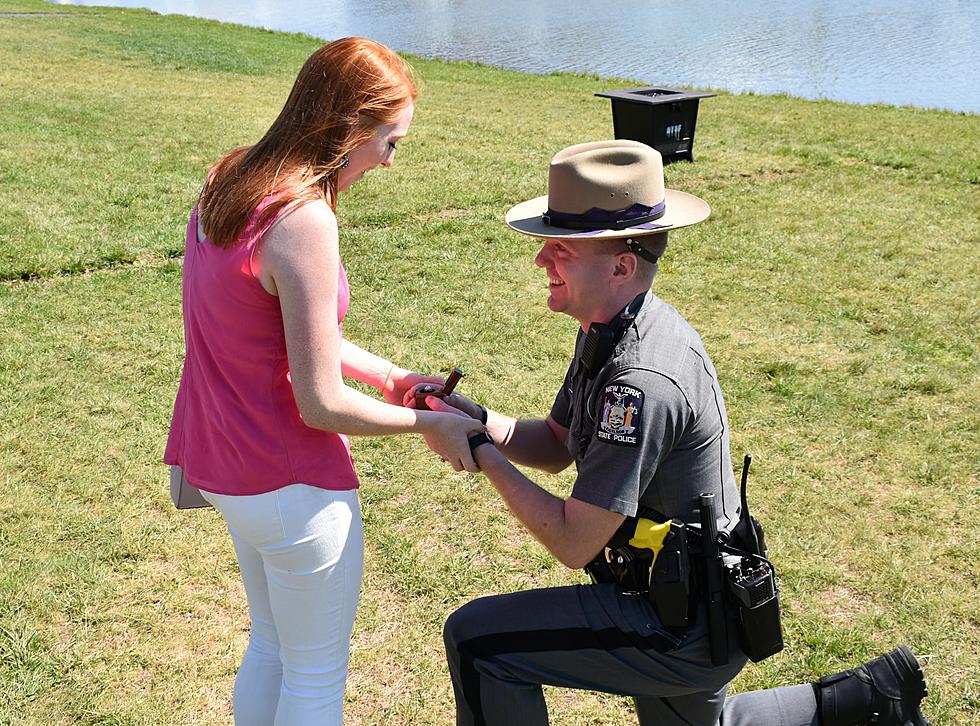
<point>300,550</point>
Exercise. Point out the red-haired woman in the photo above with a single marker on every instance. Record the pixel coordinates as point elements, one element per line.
<point>262,408</point>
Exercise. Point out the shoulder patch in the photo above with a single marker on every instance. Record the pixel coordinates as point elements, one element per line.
<point>620,416</point>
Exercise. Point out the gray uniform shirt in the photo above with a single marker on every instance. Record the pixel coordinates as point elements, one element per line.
<point>651,428</point>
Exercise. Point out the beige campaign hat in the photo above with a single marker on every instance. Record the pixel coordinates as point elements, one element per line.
<point>606,190</point>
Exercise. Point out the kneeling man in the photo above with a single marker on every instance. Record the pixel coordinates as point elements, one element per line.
<point>641,414</point>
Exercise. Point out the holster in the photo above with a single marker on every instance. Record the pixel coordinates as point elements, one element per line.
<point>671,579</point>
<point>650,558</point>
<point>751,588</point>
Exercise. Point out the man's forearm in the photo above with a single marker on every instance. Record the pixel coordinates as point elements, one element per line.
<point>539,443</point>
<point>529,443</point>
<point>572,530</point>
<point>541,513</point>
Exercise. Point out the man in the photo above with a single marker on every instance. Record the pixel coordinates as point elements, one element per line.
<point>641,414</point>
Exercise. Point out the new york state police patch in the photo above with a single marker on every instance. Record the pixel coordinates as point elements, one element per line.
<point>620,415</point>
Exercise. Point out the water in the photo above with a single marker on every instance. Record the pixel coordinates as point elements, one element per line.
<point>905,52</point>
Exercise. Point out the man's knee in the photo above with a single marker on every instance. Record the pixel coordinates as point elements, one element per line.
<point>458,627</point>
<point>474,619</point>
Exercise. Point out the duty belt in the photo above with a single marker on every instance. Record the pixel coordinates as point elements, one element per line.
<point>672,562</point>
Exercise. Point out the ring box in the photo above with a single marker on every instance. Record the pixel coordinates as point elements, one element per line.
<point>430,389</point>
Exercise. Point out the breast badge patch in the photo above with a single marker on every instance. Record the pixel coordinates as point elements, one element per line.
<point>619,417</point>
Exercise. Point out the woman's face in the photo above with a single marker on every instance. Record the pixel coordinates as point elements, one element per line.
<point>379,150</point>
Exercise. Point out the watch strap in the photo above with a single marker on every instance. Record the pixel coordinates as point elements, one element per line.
<point>479,439</point>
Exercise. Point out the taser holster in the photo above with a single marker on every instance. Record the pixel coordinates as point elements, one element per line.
<point>670,577</point>
<point>651,558</point>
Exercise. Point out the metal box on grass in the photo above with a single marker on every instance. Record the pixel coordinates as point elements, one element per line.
<point>663,118</point>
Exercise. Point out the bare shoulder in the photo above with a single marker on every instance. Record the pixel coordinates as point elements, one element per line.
<point>304,226</point>
<point>302,244</point>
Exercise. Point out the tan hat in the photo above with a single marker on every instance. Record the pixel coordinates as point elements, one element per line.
<point>606,190</point>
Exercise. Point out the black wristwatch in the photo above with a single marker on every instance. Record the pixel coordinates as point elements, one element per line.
<point>483,414</point>
<point>477,440</point>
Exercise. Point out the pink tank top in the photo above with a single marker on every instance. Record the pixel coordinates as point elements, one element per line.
<point>236,428</point>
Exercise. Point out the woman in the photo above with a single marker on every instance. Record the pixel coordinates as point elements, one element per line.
<point>262,408</point>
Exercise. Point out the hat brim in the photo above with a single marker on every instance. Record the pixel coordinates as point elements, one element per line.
<point>683,210</point>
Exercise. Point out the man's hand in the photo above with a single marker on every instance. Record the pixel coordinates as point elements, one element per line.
<point>455,403</point>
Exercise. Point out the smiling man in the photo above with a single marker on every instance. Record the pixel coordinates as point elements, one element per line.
<point>641,414</point>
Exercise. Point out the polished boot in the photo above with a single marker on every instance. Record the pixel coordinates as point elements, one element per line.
<point>883,692</point>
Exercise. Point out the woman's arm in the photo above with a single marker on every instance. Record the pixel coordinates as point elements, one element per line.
<point>390,380</point>
<point>359,364</point>
<point>298,259</point>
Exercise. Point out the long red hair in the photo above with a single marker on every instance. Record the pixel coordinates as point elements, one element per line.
<point>342,92</point>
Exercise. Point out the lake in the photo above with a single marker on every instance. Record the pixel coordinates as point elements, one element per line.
<point>903,52</point>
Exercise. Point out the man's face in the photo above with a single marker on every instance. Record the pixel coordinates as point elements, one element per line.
<point>578,277</point>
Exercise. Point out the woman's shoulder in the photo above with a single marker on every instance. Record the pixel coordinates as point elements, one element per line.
<point>303,213</point>
<point>302,243</point>
<point>304,220</point>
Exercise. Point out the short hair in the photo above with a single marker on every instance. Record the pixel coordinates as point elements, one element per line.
<point>656,245</point>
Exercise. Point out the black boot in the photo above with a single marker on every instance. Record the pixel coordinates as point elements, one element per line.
<point>884,691</point>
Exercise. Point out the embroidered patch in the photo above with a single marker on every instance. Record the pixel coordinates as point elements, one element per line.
<point>619,418</point>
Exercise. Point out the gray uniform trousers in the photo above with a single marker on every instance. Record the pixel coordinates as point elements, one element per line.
<point>502,649</point>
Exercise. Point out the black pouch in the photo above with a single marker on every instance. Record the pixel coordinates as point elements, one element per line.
<point>751,585</point>
<point>670,580</point>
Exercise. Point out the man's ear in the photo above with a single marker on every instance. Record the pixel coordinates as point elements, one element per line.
<point>625,266</point>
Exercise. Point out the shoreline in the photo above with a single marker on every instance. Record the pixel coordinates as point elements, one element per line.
<point>596,75</point>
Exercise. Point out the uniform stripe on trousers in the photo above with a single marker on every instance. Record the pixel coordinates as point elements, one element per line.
<point>543,641</point>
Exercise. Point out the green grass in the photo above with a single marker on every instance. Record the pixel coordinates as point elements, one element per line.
<point>835,286</point>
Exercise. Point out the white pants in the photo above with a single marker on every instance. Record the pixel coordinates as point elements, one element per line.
<point>300,550</point>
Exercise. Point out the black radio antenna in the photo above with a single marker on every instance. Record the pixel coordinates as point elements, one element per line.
<point>746,463</point>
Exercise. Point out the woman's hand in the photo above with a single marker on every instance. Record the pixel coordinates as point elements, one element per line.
<point>446,434</point>
<point>399,386</point>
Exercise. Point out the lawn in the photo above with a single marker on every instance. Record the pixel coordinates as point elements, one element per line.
<point>835,285</point>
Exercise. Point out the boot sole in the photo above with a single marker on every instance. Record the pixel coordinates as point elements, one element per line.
<point>915,687</point>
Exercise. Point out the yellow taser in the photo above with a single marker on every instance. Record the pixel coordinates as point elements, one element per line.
<point>650,535</point>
